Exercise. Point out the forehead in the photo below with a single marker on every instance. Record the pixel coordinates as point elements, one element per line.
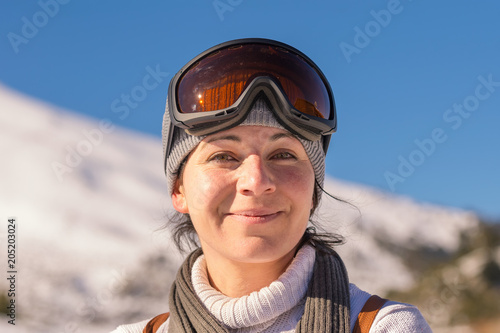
<point>250,132</point>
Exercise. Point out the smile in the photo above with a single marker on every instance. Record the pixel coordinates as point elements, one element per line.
<point>254,217</point>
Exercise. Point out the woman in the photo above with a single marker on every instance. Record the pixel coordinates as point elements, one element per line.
<point>245,133</point>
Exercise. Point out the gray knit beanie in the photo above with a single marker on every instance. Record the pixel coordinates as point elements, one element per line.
<point>261,115</point>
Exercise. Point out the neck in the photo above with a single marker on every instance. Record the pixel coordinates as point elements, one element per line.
<point>237,279</point>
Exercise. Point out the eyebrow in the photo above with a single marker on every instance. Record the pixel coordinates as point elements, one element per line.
<point>218,138</point>
<point>225,137</point>
<point>278,136</point>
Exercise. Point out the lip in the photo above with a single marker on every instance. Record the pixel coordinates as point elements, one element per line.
<point>254,216</point>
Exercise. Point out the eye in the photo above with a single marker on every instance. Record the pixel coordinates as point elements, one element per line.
<point>284,155</point>
<point>221,158</point>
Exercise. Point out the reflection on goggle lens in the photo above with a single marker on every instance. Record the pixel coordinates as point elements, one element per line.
<point>218,80</point>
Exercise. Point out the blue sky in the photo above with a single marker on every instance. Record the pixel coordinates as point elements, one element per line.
<point>416,82</point>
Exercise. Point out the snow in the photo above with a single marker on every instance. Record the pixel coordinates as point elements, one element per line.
<point>88,235</point>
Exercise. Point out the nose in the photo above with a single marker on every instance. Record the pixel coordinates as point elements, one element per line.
<point>255,178</point>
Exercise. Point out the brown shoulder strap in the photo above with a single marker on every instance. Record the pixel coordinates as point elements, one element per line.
<point>368,314</point>
<point>154,324</point>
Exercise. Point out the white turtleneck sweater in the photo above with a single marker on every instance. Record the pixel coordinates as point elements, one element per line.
<point>279,307</point>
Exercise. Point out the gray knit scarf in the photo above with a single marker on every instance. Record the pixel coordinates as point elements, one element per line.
<point>326,309</point>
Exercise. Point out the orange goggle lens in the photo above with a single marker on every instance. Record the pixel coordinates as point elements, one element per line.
<point>216,81</point>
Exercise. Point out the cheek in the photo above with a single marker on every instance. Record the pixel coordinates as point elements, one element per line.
<point>206,191</point>
<point>298,183</point>
<point>298,178</point>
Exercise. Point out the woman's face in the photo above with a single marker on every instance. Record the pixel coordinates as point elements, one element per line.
<point>248,191</point>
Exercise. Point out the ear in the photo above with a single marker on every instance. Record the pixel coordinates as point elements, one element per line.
<point>179,198</point>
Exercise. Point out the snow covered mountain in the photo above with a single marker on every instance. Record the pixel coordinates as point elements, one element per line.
<point>90,201</point>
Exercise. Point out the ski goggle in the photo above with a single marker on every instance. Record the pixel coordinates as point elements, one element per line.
<point>215,90</point>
